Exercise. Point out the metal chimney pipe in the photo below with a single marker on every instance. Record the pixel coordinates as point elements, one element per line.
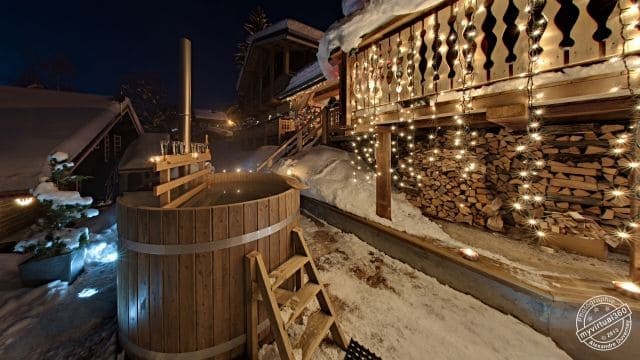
<point>185,92</point>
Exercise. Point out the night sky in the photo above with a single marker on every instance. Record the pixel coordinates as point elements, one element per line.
<point>107,40</point>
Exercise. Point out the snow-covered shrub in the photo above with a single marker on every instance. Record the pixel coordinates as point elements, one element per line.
<point>54,236</point>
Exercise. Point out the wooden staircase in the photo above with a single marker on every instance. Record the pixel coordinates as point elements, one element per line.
<point>266,287</point>
<point>305,137</point>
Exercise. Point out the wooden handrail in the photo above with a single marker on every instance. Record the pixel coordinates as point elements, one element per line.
<point>285,147</point>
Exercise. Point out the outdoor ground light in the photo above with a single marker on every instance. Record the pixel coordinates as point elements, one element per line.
<point>469,254</point>
<point>24,201</point>
<point>627,288</point>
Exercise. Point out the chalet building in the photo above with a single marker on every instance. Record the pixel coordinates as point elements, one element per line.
<point>495,115</point>
<point>94,130</point>
<point>275,55</point>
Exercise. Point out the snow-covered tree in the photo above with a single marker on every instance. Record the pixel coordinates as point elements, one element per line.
<point>61,209</point>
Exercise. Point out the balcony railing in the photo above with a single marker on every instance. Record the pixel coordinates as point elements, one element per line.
<point>428,55</point>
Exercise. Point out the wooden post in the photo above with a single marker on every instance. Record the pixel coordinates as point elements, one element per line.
<point>634,245</point>
<point>345,83</point>
<point>383,165</point>
<point>324,117</point>
<point>299,139</point>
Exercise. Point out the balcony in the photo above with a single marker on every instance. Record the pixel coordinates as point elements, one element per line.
<point>573,48</point>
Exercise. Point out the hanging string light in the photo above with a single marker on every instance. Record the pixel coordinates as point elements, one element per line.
<point>626,145</point>
<point>463,138</point>
<point>528,202</point>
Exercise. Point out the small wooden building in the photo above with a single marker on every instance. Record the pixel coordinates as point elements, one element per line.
<point>94,130</point>
<point>275,55</point>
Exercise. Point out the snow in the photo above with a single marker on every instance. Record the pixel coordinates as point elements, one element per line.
<point>303,77</point>
<point>103,247</point>
<point>291,25</point>
<point>58,320</point>
<point>48,191</point>
<point>347,33</point>
<point>329,172</point>
<point>59,156</point>
<point>69,236</point>
<point>401,313</point>
<point>36,122</point>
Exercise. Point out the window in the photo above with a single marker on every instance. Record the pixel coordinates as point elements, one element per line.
<point>117,145</point>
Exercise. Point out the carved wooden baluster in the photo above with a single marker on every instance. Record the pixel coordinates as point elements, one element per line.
<point>511,33</point>
<point>437,55</point>
<point>389,77</point>
<point>489,40</point>
<point>452,47</point>
<point>600,10</point>
<point>356,83</point>
<point>565,20</point>
<point>411,66</point>
<point>422,65</point>
<point>536,26</point>
<point>469,34</point>
<point>399,63</point>
<point>381,64</point>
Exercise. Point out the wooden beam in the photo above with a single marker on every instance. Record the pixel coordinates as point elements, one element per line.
<point>185,197</point>
<point>383,180</point>
<point>173,161</point>
<point>162,188</point>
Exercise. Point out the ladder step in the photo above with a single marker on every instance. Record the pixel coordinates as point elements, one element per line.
<point>286,270</point>
<point>317,327</point>
<point>296,301</point>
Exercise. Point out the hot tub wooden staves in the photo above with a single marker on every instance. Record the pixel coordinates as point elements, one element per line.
<point>181,282</point>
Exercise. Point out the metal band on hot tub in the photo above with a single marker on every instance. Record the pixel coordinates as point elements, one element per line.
<point>182,249</point>
<point>191,355</point>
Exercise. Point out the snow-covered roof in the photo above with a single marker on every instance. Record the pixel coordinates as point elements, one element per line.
<point>303,79</point>
<point>137,155</point>
<point>286,25</point>
<point>291,25</point>
<point>35,123</point>
<point>348,32</point>
<point>205,114</point>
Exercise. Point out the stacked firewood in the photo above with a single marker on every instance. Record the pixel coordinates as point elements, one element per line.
<point>581,175</point>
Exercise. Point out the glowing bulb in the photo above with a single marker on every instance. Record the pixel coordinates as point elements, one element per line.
<point>24,201</point>
<point>517,206</point>
<point>521,148</point>
<point>532,221</point>
<point>540,233</point>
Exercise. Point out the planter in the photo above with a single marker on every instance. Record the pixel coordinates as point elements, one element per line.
<point>66,267</point>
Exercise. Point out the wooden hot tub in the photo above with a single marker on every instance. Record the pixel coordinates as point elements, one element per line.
<point>181,282</point>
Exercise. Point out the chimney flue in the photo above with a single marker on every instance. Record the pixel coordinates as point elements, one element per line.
<point>185,92</point>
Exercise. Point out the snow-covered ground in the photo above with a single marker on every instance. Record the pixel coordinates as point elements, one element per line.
<point>61,321</point>
<point>400,313</point>
<point>330,174</point>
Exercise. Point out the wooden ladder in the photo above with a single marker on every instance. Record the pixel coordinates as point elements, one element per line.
<point>266,287</point>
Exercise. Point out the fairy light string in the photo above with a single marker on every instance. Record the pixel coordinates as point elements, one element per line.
<point>627,232</point>
<point>528,202</point>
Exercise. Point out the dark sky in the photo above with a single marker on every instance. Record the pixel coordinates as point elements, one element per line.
<point>106,40</point>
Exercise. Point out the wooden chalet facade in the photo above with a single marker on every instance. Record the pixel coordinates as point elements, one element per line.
<point>94,130</point>
<point>275,55</point>
<point>444,102</point>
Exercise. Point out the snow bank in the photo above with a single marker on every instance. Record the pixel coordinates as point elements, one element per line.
<point>346,34</point>
<point>329,173</point>
<point>103,247</point>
